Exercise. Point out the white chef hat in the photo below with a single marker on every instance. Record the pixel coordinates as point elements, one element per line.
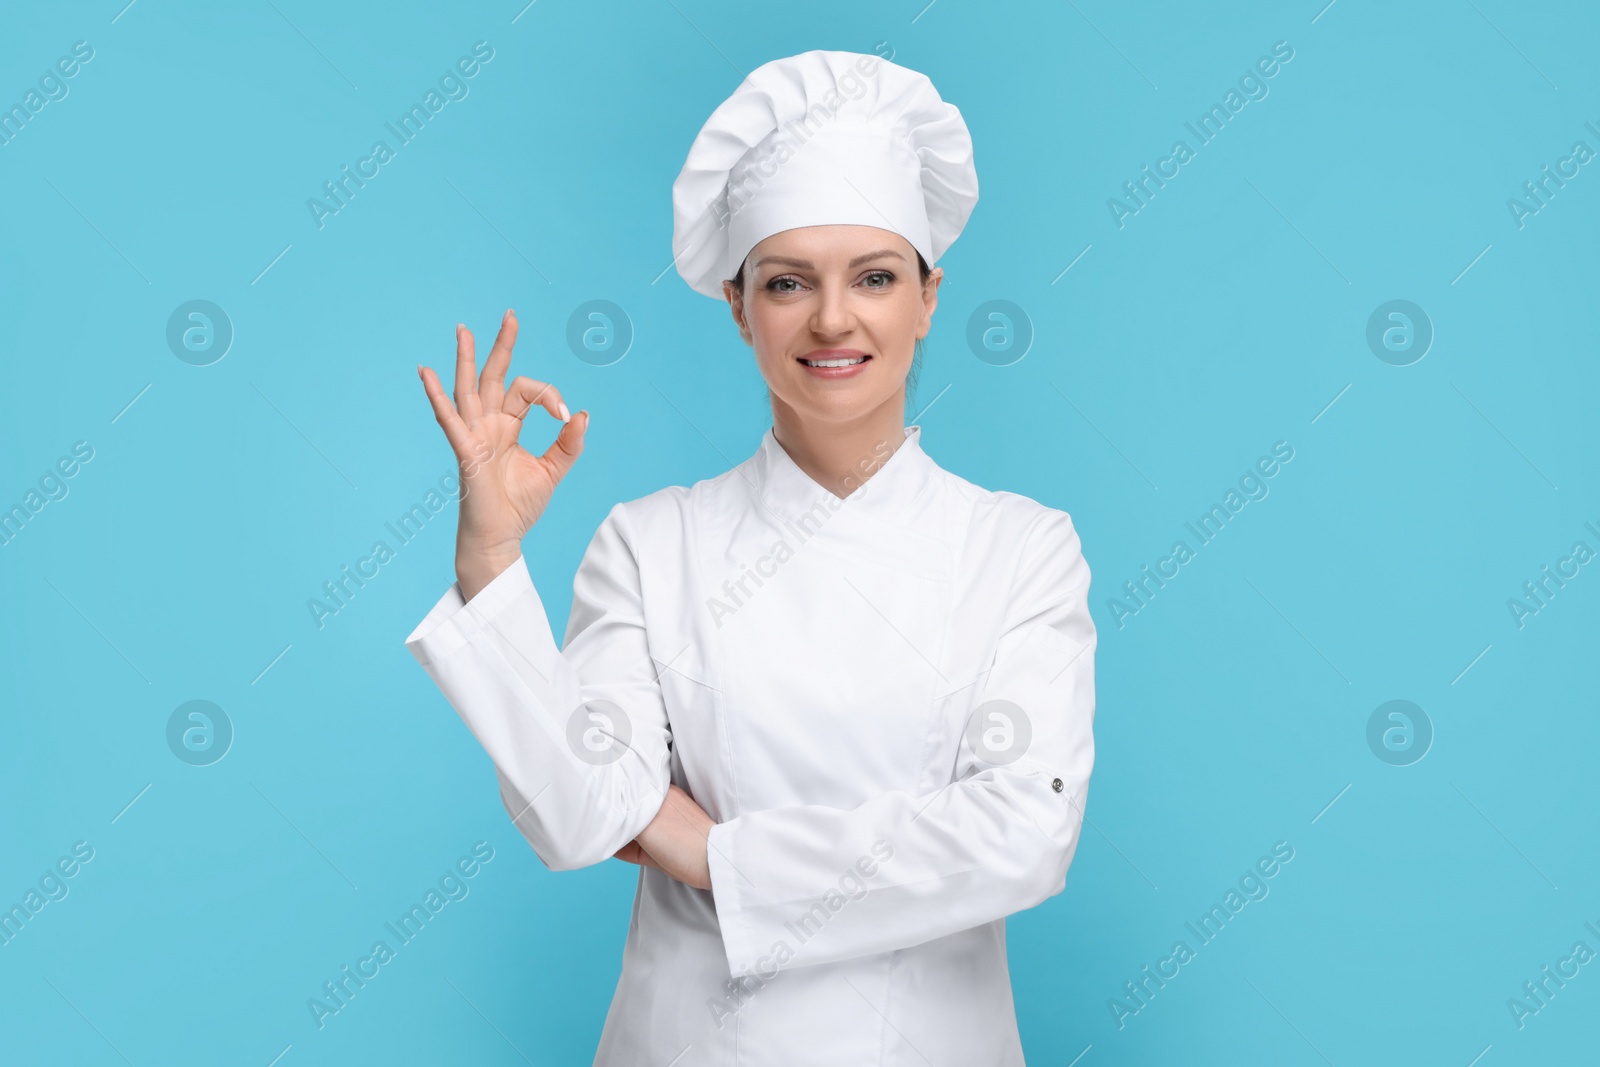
<point>821,138</point>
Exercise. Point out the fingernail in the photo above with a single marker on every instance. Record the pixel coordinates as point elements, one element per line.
<point>565,414</point>
<point>509,313</point>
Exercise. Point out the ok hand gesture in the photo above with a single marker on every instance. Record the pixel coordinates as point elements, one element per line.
<point>504,488</point>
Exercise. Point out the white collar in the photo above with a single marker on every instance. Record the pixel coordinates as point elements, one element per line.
<point>889,488</point>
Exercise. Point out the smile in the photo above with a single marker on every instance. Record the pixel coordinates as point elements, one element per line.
<point>834,362</point>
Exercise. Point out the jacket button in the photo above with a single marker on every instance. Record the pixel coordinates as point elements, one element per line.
<point>1056,785</point>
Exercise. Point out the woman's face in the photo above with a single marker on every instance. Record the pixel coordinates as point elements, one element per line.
<point>831,293</point>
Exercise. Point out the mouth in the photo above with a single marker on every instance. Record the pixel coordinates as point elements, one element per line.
<point>834,362</point>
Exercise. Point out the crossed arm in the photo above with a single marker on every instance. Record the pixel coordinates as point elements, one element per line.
<point>995,840</point>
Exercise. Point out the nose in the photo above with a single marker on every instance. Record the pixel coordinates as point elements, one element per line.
<point>832,316</point>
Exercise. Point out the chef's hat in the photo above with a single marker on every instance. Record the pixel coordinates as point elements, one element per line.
<point>816,139</point>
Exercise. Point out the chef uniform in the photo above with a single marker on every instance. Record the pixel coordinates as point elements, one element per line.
<point>884,700</point>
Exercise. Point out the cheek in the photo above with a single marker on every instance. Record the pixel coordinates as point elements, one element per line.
<point>894,327</point>
<point>759,323</point>
<point>773,326</point>
<point>767,342</point>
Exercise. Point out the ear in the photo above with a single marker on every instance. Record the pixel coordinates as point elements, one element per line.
<point>735,301</point>
<point>930,301</point>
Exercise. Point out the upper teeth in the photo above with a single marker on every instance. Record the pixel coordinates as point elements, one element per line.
<point>833,362</point>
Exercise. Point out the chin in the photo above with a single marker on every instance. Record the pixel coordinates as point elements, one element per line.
<point>837,405</point>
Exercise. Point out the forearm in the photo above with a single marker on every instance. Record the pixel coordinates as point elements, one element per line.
<point>577,787</point>
<point>676,839</point>
<point>894,872</point>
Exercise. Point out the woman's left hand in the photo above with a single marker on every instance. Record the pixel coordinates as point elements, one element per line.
<point>675,841</point>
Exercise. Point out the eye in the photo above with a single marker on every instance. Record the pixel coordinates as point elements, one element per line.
<point>886,279</point>
<point>783,282</point>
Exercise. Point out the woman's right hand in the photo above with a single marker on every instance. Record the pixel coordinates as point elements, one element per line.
<point>504,488</point>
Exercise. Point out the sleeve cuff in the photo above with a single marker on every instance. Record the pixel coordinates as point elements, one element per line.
<point>727,897</point>
<point>453,622</point>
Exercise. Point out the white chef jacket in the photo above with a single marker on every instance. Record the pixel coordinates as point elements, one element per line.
<point>807,667</point>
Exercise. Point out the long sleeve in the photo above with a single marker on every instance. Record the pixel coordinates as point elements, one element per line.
<point>824,884</point>
<point>579,737</point>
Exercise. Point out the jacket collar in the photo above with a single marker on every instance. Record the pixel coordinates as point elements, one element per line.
<point>888,486</point>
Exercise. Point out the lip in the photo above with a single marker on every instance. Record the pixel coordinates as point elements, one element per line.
<point>835,353</point>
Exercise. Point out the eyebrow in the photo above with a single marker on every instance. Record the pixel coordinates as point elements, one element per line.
<point>804,264</point>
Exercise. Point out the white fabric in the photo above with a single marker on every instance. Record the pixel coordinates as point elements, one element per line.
<point>819,713</point>
<point>822,138</point>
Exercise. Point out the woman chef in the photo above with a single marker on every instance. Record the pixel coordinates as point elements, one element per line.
<point>835,702</point>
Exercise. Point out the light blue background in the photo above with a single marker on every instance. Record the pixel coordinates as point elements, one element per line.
<point>1228,314</point>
